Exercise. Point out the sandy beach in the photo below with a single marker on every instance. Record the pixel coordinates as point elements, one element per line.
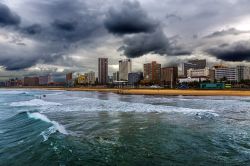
<point>167,92</point>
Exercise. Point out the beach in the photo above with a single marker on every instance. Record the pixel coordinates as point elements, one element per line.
<point>166,92</point>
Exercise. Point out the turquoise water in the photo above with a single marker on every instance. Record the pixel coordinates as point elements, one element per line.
<point>91,128</point>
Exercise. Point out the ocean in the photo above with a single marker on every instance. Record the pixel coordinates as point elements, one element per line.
<point>41,127</point>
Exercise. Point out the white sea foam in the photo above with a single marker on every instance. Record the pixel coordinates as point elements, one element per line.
<point>34,102</point>
<point>12,92</point>
<point>56,126</point>
<point>92,104</point>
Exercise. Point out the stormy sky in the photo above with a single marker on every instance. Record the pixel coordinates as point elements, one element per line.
<point>57,36</point>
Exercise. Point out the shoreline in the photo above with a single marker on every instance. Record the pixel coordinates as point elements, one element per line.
<point>163,92</point>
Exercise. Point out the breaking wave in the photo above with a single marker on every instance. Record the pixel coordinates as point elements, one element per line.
<point>56,126</point>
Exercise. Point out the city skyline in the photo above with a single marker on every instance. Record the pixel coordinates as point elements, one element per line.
<point>39,38</point>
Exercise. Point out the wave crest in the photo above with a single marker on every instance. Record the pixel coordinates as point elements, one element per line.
<point>56,126</point>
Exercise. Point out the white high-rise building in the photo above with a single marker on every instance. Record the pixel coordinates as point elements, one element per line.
<point>232,74</point>
<point>243,72</point>
<point>125,67</point>
<point>220,73</point>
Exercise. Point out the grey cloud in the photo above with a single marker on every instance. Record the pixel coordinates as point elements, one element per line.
<point>155,43</point>
<point>65,25</point>
<point>238,51</point>
<point>230,31</point>
<point>173,17</point>
<point>18,61</point>
<point>32,29</point>
<point>129,19</point>
<point>55,37</point>
<point>7,17</point>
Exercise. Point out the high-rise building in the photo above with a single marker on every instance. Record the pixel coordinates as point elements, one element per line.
<point>169,76</point>
<point>125,67</point>
<point>193,64</point>
<point>152,72</point>
<point>220,72</point>
<point>232,74</point>
<point>103,71</point>
<point>243,73</point>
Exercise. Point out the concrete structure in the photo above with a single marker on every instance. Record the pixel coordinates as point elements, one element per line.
<point>31,81</point>
<point>90,76</point>
<point>232,74</point>
<point>243,73</point>
<point>220,73</point>
<point>193,64</point>
<point>135,78</point>
<point>81,79</point>
<point>199,63</point>
<point>205,72</point>
<point>229,74</point>
<point>194,79</point>
<point>45,80</point>
<point>116,76</point>
<point>125,67</point>
<point>103,71</point>
<point>152,72</point>
<point>169,76</point>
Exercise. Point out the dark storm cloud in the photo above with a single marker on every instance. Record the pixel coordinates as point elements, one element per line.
<point>19,61</point>
<point>238,51</point>
<point>129,19</point>
<point>65,25</point>
<point>32,29</point>
<point>7,17</point>
<point>155,43</point>
<point>230,31</point>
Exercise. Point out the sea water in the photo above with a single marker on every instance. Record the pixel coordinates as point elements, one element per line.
<point>39,127</point>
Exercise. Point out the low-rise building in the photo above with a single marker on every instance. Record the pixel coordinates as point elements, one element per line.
<point>81,79</point>
<point>194,79</point>
<point>31,81</point>
<point>135,78</point>
<point>45,80</point>
<point>90,76</point>
<point>116,76</point>
<point>206,72</point>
